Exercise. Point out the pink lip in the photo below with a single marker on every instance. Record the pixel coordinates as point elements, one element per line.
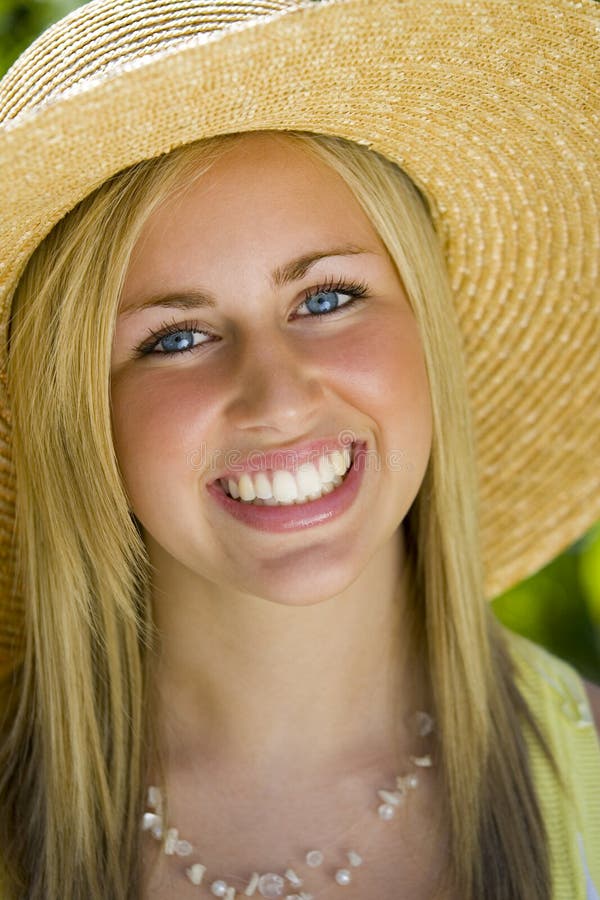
<point>288,458</point>
<point>296,516</point>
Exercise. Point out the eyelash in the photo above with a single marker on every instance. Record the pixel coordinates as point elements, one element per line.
<point>356,290</point>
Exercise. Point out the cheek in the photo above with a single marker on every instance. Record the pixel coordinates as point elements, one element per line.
<point>382,362</point>
<point>400,402</point>
<point>158,425</point>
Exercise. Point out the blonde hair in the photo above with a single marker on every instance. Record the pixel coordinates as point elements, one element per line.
<point>77,737</point>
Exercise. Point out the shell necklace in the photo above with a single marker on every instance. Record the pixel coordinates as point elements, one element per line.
<point>288,884</point>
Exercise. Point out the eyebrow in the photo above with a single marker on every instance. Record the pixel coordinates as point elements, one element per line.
<point>281,276</point>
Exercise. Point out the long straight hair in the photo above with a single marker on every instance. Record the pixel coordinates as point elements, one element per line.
<point>76,733</point>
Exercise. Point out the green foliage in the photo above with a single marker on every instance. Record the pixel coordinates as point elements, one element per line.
<point>22,20</point>
<point>559,606</point>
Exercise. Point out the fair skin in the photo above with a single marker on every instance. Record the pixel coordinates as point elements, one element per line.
<point>285,675</point>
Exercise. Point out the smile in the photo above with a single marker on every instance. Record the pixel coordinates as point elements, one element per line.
<point>335,495</point>
<point>285,488</point>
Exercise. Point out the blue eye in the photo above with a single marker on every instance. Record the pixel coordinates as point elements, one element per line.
<point>322,302</point>
<point>177,338</point>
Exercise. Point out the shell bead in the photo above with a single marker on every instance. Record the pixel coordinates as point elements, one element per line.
<point>171,838</point>
<point>271,885</point>
<point>293,878</point>
<point>195,873</point>
<point>401,783</point>
<point>394,798</point>
<point>150,820</point>
<point>253,884</point>
<point>154,797</point>
<point>425,723</point>
<point>422,761</point>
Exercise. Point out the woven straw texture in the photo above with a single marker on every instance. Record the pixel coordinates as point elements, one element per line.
<point>491,106</point>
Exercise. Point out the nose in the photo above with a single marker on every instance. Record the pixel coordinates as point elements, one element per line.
<point>276,387</point>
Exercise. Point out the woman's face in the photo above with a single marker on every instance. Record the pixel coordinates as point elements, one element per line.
<point>265,373</point>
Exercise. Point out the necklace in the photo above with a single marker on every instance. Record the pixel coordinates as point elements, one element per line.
<point>290,884</point>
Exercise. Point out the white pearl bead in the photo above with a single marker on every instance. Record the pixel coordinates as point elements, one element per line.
<point>386,812</point>
<point>183,848</point>
<point>219,888</point>
<point>343,876</point>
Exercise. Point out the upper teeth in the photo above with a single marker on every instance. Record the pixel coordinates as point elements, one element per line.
<point>282,486</point>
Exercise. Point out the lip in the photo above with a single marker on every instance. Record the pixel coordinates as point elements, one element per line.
<point>296,516</point>
<point>286,458</point>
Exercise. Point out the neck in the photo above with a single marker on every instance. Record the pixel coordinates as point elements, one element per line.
<point>244,678</point>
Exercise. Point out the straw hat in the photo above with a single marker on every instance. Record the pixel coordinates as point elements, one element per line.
<point>491,106</point>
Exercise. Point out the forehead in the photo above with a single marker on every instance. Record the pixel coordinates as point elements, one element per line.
<point>263,200</point>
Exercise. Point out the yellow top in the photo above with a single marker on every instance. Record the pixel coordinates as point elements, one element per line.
<point>556,695</point>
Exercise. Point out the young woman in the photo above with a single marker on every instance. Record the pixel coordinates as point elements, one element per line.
<point>278,418</point>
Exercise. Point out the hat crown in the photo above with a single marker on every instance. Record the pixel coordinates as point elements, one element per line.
<point>115,34</point>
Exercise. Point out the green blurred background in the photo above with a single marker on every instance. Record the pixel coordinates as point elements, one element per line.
<point>559,606</point>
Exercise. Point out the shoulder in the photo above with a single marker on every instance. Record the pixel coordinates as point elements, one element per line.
<point>593,692</point>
